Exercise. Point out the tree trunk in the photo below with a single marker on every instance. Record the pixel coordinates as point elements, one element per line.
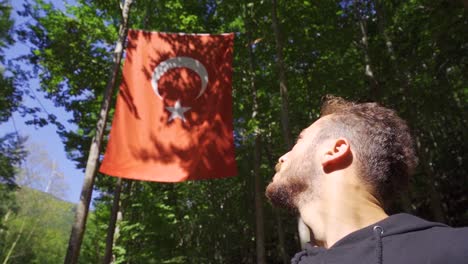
<point>116,232</point>
<point>7,215</point>
<point>259,216</point>
<point>405,201</point>
<point>381,23</point>
<point>279,221</point>
<point>434,196</point>
<point>284,101</point>
<point>368,72</point>
<point>12,248</point>
<point>258,181</point>
<point>112,222</point>
<point>280,231</point>
<point>82,209</point>
<point>282,78</point>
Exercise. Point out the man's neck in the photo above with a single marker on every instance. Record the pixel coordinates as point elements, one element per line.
<point>339,214</point>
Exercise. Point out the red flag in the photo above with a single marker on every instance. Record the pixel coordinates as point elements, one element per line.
<point>173,118</point>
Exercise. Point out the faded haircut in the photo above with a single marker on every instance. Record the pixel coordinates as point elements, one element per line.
<point>380,139</point>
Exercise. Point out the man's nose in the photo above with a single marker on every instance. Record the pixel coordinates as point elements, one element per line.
<point>283,158</point>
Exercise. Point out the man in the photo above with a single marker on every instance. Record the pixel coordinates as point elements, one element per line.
<point>342,172</point>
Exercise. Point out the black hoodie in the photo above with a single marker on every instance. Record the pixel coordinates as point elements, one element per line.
<point>400,238</point>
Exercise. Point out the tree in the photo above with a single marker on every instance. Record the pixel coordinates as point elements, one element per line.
<point>11,145</point>
<point>38,232</point>
<point>415,54</point>
<point>39,171</point>
<point>9,95</point>
<point>11,155</point>
<point>37,225</point>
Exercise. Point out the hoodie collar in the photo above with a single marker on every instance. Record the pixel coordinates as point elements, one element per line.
<point>392,225</point>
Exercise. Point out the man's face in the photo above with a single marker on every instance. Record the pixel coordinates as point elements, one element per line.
<point>296,171</point>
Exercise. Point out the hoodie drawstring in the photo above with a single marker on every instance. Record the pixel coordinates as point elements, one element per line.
<point>378,232</point>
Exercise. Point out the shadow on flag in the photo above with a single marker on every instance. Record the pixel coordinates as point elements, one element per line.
<point>173,118</point>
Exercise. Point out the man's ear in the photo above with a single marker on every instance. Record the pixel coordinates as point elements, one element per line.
<point>337,156</point>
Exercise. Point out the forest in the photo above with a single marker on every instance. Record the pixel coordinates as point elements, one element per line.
<point>411,56</point>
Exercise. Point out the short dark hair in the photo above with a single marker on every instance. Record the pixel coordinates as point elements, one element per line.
<point>381,141</point>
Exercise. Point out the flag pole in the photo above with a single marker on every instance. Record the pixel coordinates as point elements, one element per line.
<point>112,222</point>
<point>76,236</point>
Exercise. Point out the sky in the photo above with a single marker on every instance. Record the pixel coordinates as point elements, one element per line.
<point>46,137</point>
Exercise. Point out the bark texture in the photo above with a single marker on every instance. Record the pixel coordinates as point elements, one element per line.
<point>79,226</point>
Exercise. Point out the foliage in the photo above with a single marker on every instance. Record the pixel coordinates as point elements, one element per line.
<point>10,96</point>
<point>11,155</point>
<point>409,55</point>
<point>41,228</point>
<point>36,224</point>
<point>11,145</point>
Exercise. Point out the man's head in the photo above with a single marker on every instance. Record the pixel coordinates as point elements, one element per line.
<point>367,140</point>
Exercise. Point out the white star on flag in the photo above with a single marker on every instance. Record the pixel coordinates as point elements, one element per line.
<point>177,111</point>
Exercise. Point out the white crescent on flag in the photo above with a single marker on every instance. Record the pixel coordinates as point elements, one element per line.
<point>179,62</point>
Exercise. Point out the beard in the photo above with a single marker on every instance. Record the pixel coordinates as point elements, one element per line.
<point>284,191</point>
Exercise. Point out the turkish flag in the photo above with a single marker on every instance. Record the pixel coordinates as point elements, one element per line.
<point>173,118</point>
